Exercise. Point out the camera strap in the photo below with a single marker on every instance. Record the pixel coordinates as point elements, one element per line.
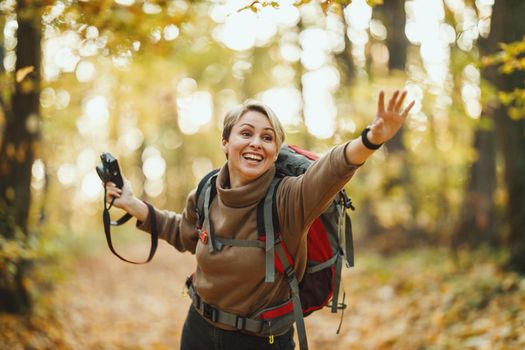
<point>106,218</point>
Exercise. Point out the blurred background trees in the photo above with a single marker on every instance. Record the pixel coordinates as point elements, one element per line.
<point>151,81</point>
<point>20,134</point>
<point>509,119</point>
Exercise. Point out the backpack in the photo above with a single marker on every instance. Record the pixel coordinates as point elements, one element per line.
<point>329,242</point>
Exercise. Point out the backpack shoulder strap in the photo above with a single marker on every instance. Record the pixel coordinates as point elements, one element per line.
<point>268,227</point>
<point>206,191</point>
<point>291,277</point>
<point>200,194</point>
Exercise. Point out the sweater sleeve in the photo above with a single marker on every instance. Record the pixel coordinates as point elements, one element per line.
<point>179,230</point>
<point>303,198</point>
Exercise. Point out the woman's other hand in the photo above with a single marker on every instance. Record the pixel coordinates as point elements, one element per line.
<point>123,196</point>
<point>124,199</point>
<point>388,121</point>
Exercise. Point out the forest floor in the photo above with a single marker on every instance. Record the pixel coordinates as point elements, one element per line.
<point>419,299</point>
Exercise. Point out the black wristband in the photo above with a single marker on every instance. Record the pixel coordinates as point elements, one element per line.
<point>367,142</point>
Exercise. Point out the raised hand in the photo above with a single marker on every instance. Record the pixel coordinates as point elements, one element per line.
<point>388,121</point>
<point>123,197</point>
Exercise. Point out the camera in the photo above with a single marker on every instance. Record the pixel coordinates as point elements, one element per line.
<point>109,170</point>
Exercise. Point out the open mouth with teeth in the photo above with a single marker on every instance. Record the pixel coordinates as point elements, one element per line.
<point>252,157</point>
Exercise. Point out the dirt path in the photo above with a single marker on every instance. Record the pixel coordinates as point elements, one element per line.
<point>417,300</point>
<point>108,304</point>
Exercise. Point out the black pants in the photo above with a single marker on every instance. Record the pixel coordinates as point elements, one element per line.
<point>199,334</point>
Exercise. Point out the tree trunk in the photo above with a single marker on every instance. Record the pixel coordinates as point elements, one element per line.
<point>392,13</point>
<point>344,58</point>
<point>508,26</point>
<point>476,224</point>
<point>17,156</point>
<point>307,140</point>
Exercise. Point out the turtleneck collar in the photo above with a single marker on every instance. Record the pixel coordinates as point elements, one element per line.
<point>245,195</point>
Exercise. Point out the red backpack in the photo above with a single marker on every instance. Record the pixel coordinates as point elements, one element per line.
<point>329,242</point>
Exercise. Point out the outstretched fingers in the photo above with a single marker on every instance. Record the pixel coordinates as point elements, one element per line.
<point>393,100</point>
<point>407,109</point>
<point>381,102</point>
<point>399,103</point>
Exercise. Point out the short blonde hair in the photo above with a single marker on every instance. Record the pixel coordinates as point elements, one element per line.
<point>233,116</point>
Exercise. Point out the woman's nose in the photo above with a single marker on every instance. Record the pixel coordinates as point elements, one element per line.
<point>256,141</point>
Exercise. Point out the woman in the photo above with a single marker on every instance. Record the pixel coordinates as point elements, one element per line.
<point>232,280</point>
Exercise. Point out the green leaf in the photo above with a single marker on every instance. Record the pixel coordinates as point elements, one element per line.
<point>486,123</point>
<point>505,97</point>
<point>374,2</point>
<point>516,113</point>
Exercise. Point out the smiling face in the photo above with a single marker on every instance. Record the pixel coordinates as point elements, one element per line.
<point>251,148</point>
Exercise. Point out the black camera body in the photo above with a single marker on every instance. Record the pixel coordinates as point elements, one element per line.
<point>109,170</point>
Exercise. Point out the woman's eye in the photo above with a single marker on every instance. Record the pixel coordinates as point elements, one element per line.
<point>268,138</point>
<point>245,133</point>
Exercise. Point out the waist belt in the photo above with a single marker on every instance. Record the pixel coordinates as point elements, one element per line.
<point>266,323</point>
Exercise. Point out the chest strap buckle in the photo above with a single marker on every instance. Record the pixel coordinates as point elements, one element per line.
<point>203,236</point>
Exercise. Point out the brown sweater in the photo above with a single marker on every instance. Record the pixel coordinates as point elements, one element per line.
<point>233,279</point>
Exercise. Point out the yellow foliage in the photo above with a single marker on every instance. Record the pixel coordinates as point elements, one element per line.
<point>516,113</point>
